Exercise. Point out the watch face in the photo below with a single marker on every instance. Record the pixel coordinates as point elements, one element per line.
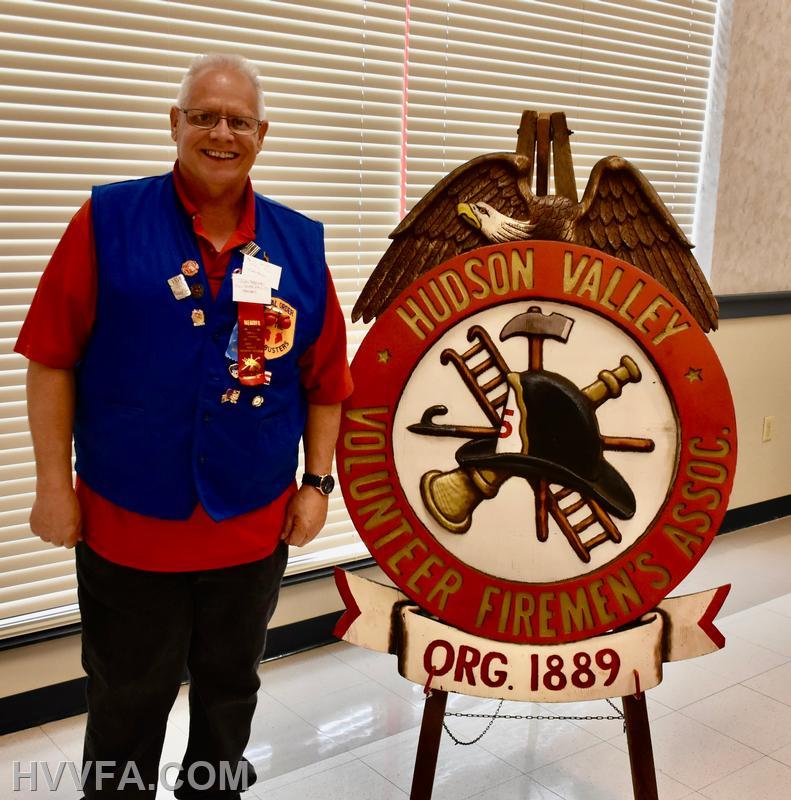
<point>327,484</point>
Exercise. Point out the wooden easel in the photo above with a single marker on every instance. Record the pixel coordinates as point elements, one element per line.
<point>537,135</point>
<point>540,133</point>
<point>638,737</point>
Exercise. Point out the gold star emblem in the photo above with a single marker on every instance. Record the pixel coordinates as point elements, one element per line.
<point>250,362</point>
<point>694,375</point>
<point>383,356</point>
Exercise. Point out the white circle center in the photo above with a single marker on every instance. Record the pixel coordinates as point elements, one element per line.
<point>502,539</point>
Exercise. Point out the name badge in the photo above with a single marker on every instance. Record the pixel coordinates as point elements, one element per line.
<point>255,282</point>
<point>250,290</point>
<point>265,271</point>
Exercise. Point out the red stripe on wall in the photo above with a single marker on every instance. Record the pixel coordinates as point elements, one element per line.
<point>404,107</point>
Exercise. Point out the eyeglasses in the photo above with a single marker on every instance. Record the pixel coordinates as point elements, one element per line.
<point>210,119</point>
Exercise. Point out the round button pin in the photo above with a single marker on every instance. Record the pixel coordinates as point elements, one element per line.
<point>257,401</point>
<point>197,290</point>
<point>190,268</point>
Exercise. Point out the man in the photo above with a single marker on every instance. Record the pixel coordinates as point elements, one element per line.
<point>186,409</point>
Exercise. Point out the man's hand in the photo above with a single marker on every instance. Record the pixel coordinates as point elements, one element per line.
<point>56,517</point>
<point>306,513</point>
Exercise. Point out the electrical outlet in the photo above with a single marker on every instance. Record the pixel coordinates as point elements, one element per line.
<point>768,429</point>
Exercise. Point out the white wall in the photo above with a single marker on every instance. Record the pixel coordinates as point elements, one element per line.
<point>756,355</point>
<point>753,222</point>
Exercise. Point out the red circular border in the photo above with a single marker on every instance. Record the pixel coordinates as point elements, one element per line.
<point>704,408</point>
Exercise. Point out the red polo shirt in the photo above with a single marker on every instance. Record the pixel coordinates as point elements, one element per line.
<point>55,333</point>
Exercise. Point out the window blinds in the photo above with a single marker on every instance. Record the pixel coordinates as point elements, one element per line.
<point>86,87</point>
<point>86,90</point>
<point>631,77</point>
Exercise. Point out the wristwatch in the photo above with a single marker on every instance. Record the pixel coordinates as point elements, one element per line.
<point>324,483</point>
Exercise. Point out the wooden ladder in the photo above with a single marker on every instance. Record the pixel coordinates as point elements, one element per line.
<point>492,394</point>
<point>573,531</point>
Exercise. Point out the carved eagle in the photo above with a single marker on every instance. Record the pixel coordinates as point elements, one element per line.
<point>489,199</point>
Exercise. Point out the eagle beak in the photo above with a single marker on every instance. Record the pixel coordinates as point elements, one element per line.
<point>465,211</point>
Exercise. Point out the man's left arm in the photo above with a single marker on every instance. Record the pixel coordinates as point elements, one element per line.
<point>307,509</point>
<point>327,382</point>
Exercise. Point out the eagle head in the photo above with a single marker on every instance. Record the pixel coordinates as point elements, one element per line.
<point>495,226</point>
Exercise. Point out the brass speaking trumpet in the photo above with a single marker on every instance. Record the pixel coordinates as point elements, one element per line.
<point>452,497</point>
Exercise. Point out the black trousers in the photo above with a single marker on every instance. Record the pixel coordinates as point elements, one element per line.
<point>139,631</point>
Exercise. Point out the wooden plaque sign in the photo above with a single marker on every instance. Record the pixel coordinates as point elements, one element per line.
<point>534,452</point>
<point>541,442</point>
<point>539,449</point>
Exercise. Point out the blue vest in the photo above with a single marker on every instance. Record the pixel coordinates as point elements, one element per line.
<point>151,432</point>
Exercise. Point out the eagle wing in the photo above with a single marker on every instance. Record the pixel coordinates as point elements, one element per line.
<point>433,231</point>
<point>622,214</point>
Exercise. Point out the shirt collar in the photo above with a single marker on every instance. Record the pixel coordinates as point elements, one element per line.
<point>245,229</point>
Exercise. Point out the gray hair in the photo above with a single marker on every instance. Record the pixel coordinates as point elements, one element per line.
<point>221,61</point>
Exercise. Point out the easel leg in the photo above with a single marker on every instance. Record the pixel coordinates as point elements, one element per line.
<point>428,745</point>
<point>641,753</point>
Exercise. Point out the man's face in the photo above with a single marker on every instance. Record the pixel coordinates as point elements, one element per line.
<point>217,160</point>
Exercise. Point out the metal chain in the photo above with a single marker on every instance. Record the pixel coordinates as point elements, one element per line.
<point>490,717</point>
<point>497,715</point>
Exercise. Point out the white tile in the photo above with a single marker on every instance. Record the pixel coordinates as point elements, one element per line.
<point>741,659</point>
<point>281,741</point>
<point>747,716</point>
<point>783,755</point>
<point>765,780</point>
<point>601,772</point>
<point>461,771</point>
<point>68,734</point>
<point>354,716</point>
<point>351,781</point>
<point>780,605</point>
<point>605,729</point>
<point>684,682</point>
<point>174,745</point>
<point>180,713</point>
<point>761,626</point>
<point>265,786</point>
<point>375,745</point>
<point>521,788</point>
<point>33,745</point>
<point>382,668</point>
<point>693,753</point>
<point>775,683</point>
<point>278,677</point>
<point>530,745</point>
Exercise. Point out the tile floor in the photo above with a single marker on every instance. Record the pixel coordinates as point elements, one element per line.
<point>339,723</point>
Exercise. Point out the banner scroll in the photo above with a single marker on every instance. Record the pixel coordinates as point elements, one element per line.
<point>439,656</point>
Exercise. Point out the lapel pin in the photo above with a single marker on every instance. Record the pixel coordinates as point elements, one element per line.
<point>178,285</point>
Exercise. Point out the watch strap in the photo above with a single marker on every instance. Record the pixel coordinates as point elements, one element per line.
<point>318,481</point>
